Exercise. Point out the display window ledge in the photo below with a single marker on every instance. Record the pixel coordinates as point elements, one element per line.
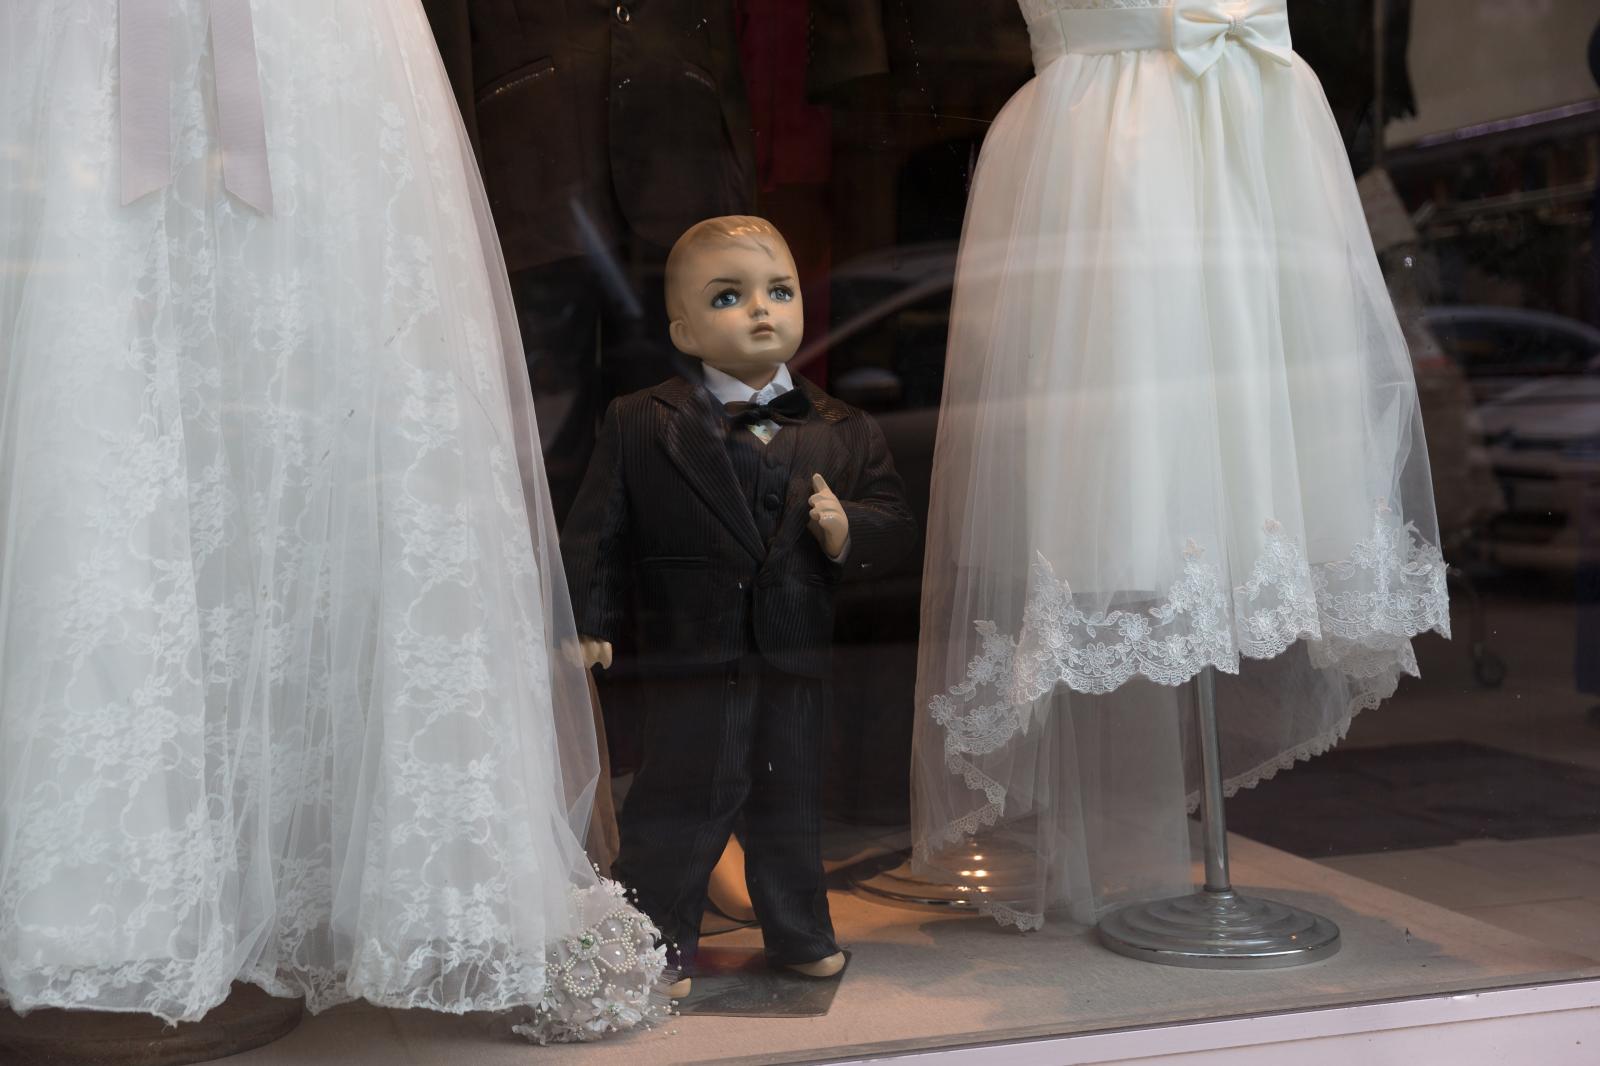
<point>1551,1024</point>
<point>942,987</point>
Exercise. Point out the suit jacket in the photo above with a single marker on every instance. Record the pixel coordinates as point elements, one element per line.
<point>596,118</point>
<point>661,521</point>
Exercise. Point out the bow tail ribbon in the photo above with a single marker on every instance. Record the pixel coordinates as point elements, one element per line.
<point>241,124</point>
<point>145,71</point>
<point>145,135</point>
<point>1202,30</point>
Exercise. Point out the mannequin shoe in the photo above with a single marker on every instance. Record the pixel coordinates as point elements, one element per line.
<point>679,988</point>
<point>824,967</point>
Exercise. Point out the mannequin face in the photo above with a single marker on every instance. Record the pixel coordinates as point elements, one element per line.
<point>736,306</point>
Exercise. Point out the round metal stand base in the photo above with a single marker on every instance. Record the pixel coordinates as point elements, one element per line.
<point>989,873</point>
<point>249,1018</point>
<point>1219,931</point>
<point>901,886</point>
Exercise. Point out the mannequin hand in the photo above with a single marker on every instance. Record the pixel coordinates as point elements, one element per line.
<point>595,652</point>
<point>828,522</point>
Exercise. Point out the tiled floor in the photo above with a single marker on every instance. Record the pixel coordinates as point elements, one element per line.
<point>1536,711</point>
<point>1574,923</point>
<point>1546,889</point>
<point>919,979</point>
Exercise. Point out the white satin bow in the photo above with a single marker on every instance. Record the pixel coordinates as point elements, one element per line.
<point>144,133</point>
<point>1202,29</point>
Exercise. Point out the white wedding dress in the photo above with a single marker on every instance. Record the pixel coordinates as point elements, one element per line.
<point>289,685</point>
<point>1179,432</point>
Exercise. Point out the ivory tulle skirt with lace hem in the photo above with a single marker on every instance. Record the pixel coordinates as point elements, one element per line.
<point>1180,432</point>
<point>290,690</point>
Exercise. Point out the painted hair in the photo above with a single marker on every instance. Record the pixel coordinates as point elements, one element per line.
<point>722,231</point>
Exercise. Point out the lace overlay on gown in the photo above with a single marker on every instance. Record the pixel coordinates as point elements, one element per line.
<point>289,689</point>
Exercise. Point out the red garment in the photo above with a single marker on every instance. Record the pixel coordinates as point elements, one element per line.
<point>792,136</point>
<point>794,157</point>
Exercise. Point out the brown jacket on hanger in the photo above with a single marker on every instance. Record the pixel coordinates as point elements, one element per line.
<point>629,114</point>
<point>845,43</point>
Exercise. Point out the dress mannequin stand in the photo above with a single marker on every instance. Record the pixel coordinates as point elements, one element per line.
<point>1238,484</point>
<point>249,1018</point>
<point>1216,928</point>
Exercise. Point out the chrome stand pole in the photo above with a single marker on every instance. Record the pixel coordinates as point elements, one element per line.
<point>1216,928</point>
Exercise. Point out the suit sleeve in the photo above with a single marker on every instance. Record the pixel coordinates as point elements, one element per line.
<point>451,21</point>
<point>847,42</point>
<point>883,532</point>
<point>595,540</point>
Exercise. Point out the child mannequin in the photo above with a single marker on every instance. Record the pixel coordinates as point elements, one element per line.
<point>729,504</point>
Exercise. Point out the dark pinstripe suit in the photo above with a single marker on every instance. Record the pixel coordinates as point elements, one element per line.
<point>736,630</point>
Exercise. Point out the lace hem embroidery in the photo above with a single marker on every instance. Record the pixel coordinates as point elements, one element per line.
<point>1359,615</point>
<point>606,977</point>
<point>1003,914</point>
<point>1390,588</point>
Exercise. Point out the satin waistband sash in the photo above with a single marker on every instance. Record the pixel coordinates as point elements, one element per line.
<point>1198,31</point>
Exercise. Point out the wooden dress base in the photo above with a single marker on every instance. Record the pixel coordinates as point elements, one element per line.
<point>247,1019</point>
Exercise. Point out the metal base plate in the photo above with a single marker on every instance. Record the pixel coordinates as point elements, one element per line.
<point>1219,931</point>
<point>738,983</point>
<point>900,885</point>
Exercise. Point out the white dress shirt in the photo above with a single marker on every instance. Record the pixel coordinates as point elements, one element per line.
<point>729,389</point>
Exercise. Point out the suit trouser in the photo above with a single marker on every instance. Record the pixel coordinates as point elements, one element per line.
<point>740,740</point>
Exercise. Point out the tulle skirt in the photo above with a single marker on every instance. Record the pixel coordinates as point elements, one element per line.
<point>1180,433</point>
<point>289,685</point>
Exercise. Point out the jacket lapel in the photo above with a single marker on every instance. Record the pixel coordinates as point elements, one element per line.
<point>695,445</point>
<point>816,448</point>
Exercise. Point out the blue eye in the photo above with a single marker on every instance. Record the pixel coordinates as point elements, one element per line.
<point>725,298</point>
<point>782,293</point>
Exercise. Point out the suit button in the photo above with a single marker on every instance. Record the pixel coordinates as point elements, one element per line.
<point>624,16</point>
<point>771,501</point>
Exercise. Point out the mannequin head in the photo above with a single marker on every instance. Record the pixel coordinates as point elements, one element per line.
<point>733,297</point>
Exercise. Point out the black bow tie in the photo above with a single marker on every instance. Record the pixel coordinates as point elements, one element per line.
<point>792,406</point>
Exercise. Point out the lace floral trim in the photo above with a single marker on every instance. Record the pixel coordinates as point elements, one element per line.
<point>1061,644</point>
<point>1359,615</point>
<point>606,977</point>
<point>1391,588</point>
<point>1022,921</point>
